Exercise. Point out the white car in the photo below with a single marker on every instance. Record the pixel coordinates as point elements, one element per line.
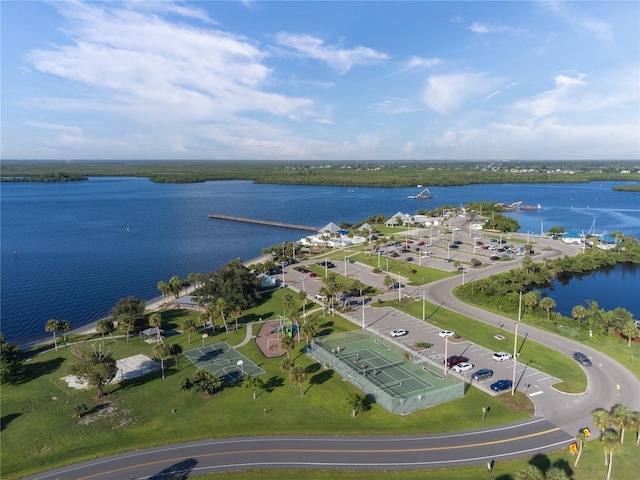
<point>501,356</point>
<point>463,367</point>
<point>446,333</point>
<point>398,332</point>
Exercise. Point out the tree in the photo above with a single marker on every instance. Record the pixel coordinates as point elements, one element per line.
<point>155,321</point>
<point>176,284</point>
<point>354,402</point>
<point>164,290</point>
<point>548,304</point>
<point>105,326</point>
<point>302,296</point>
<point>609,441</point>
<point>236,313</point>
<point>287,303</point>
<point>93,366</point>
<point>309,328</point>
<point>529,472</point>
<point>581,439</point>
<point>11,366</point>
<point>52,326</point>
<point>579,312</point>
<point>64,327</point>
<point>531,300</point>
<point>287,343</point>
<point>221,307</point>
<point>235,283</point>
<point>298,376</point>
<point>128,312</point>
<point>287,365</point>
<point>601,419</point>
<point>253,383</point>
<point>388,281</point>
<point>175,350</point>
<point>635,425</point>
<point>556,473</point>
<point>630,331</point>
<point>622,416</point>
<point>204,318</point>
<point>202,381</point>
<point>160,351</point>
<point>189,327</point>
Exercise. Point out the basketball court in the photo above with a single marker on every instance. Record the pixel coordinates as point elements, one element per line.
<point>224,361</point>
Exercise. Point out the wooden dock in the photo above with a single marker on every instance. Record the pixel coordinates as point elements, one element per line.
<point>220,216</point>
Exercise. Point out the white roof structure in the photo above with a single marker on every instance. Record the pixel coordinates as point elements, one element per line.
<point>329,227</point>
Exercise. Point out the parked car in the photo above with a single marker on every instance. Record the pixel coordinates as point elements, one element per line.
<point>446,333</point>
<point>453,245</point>
<point>408,259</point>
<point>398,332</point>
<point>454,360</point>
<point>463,367</point>
<point>458,242</point>
<point>502,356</point>
<point>501,385</point>
<point>582,359</point>
<point>482,374</point>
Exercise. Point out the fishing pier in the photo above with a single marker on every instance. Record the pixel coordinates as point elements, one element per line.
<point>220,216</point>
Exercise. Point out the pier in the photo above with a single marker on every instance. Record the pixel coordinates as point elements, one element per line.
<point>220,216</point>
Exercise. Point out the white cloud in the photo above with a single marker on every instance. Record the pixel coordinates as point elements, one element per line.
<point>498,92</point>
<point>446,93</point>
<point>393,106</point>
<point>340,59</point>
<point>579,20</point>
<point>486,28</point>
<point>553,101</point>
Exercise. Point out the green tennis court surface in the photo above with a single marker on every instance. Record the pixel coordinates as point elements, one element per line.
<point>399,380</point>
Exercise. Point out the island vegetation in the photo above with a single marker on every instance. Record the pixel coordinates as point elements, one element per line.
<point>362,173</point>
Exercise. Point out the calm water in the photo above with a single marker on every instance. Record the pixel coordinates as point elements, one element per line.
<point>71,250</point>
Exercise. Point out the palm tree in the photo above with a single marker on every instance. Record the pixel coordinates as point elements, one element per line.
<point>160,351</point>
<point>531,300</point>
<point>309,328</point>
<point>622,416</point>
<point>52,326</point>
<point>601,419</point>
<point>359,286</point>
<point>629,330</point>
<point>548,304</point>
<point>581,439</point>
<point>635,425</point>
<point>64,327</point>
<point>298,376</point>
<point>204,318</point>
<point>189,327</point>
<point>287,303</point>
<point>164,289</point>
<point>105,326</point>
<point>287,343</point>
<point>302,296</point>
<point>176,284</point>
<point>175,350</point>
<point>236,313</point>
<point>221,306</point>
<point>253,383</point>
<point>127,324</point>
<point>388,281</point>
<point>579,312</point>
<point>287,365</point>
<point>354,402</point>
<point>609,443</point>
<point>155,320</point>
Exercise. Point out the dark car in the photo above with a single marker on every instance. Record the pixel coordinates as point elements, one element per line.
<point>482,374</point>
<point>408,259</point>
<point>582,359</point>
<point>501,385</point>
<point>455,360</point>
<point>458,242</point>
<point>453,245</point>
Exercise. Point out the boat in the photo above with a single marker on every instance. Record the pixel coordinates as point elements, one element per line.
<point>423,195</point>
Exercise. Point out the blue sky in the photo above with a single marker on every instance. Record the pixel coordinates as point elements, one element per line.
<point>327,80</point>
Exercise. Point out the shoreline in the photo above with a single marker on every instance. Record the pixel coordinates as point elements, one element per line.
<point>151,305</point>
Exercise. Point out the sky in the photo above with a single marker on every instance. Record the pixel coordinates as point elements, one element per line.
<point>329,80</point>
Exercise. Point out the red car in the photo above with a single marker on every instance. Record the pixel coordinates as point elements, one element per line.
<point>455,360</point>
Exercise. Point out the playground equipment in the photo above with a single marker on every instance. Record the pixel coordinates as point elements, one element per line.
<point>287,328</point>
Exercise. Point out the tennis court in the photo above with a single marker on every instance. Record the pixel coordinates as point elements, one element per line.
<point>398,379</point>
<point>224,361</point>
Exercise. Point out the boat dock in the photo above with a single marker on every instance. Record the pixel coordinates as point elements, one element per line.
<point>220,216</point>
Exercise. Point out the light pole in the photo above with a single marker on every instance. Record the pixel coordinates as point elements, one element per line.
<point>463,277</point>
<point>423,305</point>
<point>240,363</point>
<point>515,347</point>
<point>446,345</point>
<point>363,312</point>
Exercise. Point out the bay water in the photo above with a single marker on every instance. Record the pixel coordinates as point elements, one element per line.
<point>71,250</point>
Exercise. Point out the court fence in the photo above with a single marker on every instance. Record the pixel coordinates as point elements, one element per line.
<point>398,396</point>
